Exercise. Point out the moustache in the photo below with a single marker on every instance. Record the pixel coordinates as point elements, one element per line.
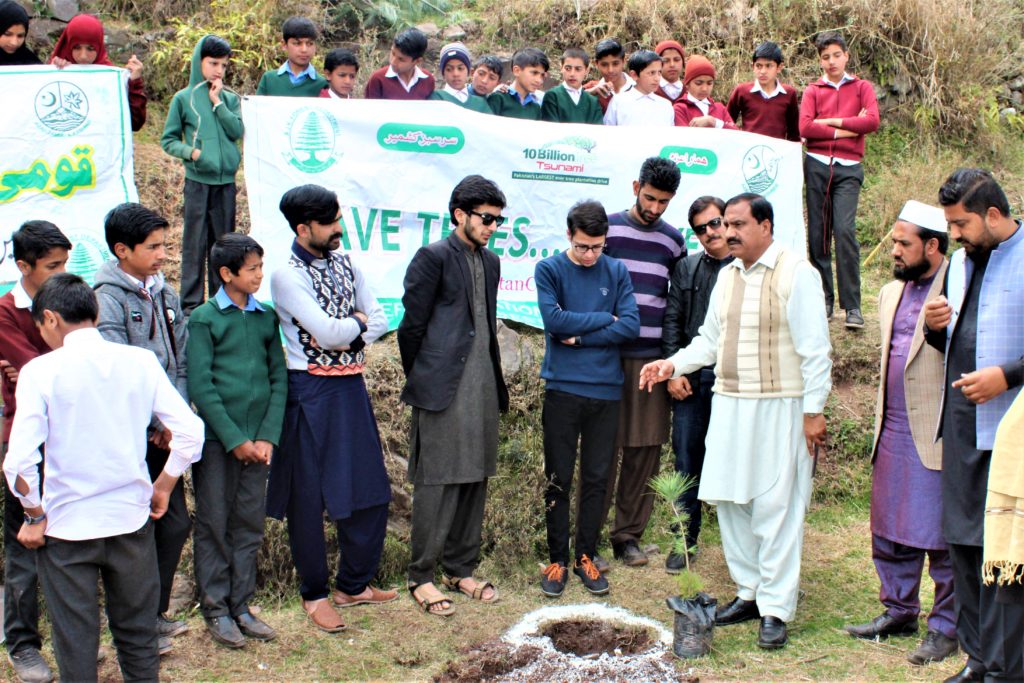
<point>733,240</point>
<point>336,236</point>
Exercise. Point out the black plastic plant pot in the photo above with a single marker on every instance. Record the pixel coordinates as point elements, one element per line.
<point>694,627</point>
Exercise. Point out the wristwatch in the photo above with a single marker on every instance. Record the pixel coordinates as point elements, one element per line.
<point>32,521</point>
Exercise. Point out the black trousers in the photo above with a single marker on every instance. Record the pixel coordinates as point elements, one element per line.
<point>171,531</point>
<point>690,419</point>
<point>230,501</point>
<point>989,624</point>
<point>832,193</point>
<point>572,421</point>
<point>69,571</point>
<point>21,582</point>
<point>447,523</point>
<point>209,213</point>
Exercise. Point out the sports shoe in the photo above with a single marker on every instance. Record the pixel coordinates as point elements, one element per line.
<point>934,648</point>
<point>592,579</point>
<point>170,627</point>
<point>854,320</point>
<point>552,582</point>
<point>29,665</point>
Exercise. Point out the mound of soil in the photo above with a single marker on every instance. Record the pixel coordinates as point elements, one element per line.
<point>583,637</point>
<point>487,660</point>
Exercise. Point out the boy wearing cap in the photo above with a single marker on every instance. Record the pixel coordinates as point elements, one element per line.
<point>696,108</point>
<point>673,59</point>
<point>906,481</point>
<point>639,105</point>
<point>455,64</point>
<point>567,102</point>
<point>765,105</point>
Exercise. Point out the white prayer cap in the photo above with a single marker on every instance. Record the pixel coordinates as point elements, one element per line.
<point>924,216</point>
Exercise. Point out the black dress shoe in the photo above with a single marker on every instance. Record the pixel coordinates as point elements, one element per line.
<point>630,554</point>
<point>965,674</point>
<point>224,630</point>
<point>883,626</point>
<point>254,627</point>
<point>737,611</point>
<point>772,634</point>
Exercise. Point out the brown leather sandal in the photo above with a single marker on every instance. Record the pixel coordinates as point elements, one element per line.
<point>453,583</point>
<point>428,605</point>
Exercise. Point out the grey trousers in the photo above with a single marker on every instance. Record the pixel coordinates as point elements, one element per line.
<point>230,501</point>
<point>447,521</point>
<point>832,194</point>
<point>21,583</point>
<point>68,572</point>
<point>209,213</point>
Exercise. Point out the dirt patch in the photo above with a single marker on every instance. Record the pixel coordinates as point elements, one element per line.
<point>481,662</point>
<point>583,637</point>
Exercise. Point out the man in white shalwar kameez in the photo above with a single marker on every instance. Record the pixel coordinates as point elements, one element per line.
<point>767,335</point>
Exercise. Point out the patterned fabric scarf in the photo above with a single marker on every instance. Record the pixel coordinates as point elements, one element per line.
<point>1004,506</point>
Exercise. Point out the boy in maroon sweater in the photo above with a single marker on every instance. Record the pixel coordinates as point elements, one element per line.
<point>695,108</point>
<point>836,113</point>
<point>402,78</point>
<point>765,105</point>
<point>40,250</point>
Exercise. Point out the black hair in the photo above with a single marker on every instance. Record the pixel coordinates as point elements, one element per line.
<point>231,250</point>
<point>34,240</point>
<point>925,234</point>
<point>588,216</point>
<point>827,38</point>
<point>768,50</point>
<point>492,63</point>
<point>660,173</point>
<point>576,53</point>
<point>700,204</point>
<point>306,203</point>
<point>299,27</point>
<point>641,59</point>
<point>340,56</point>
<point>760,208</point>
<point>68,296</point>
<point>609,47</point>
<point>473,191</point>
<point>412,43</point>
<point>130,224</point>
<point>976,189</point>
<point>216,47</point>
<point>530,56</point>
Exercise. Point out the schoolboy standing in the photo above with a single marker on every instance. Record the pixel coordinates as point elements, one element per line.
<point>455,62</point>
<point>836,113</point>
<point>139,308</point>
<point>40,250</point>
<point>340,69</point>
<point>696,108</point>
<point>487,73</point>
<point>673,61</point>
<point>238,382</point>
<point>330,456</point>
<point>204,125</point>
<point>402,78</point>
<point>609,58</point>
<point>764,105</point>
<point>588,308</point>
<point>296,77</point>
<point>520,101</point>
<point>566,102</point>
<point>89,403</point>
<point>640,105</point>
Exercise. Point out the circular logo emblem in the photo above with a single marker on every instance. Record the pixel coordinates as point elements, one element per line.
<point>87,255</point>
<point>312,135</point>
<point>760,168</point>
<point>62,107</point>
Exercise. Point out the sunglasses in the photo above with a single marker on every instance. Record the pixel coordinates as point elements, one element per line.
<point>487,219</point>
<point>703,227</point>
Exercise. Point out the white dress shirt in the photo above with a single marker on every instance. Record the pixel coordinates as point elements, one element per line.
<point>634,108</point>
<point>574,93</point>
<point>460,95</point>
<point>673,90</point>
<point>89,404</point>
<point>417,74</point>
<point>704,106</point>
<point>779,90</point>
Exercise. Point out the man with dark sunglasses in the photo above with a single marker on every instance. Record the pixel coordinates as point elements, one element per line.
<point>688,296</point>
<point>449,347</point>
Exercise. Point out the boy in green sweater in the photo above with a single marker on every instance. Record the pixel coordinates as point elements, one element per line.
<point>455,64</point>
<point>204,124</point>
<point>568,103</point>
<point>238,384</point>
<point>529,67</point>
<point>296,77</point>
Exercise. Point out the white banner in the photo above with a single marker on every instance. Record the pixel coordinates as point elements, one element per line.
<point>394,164</point>
<point>67,157</point>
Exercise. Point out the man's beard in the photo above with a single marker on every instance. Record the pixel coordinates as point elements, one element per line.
<point>911,272</point>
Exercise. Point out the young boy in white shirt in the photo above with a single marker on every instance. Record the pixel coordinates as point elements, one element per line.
<point>641,105</point>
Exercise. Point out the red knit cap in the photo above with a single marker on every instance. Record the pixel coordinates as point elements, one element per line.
<point>669,45</point>
<point>697,65</point>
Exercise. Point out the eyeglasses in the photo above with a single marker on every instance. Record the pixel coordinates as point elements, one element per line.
<point>703,227</point>
<point>487,219</point>
<point>584,249</point>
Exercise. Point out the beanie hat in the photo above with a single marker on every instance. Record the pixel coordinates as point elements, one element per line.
<point>698,66</point>
<point>455,51</point>
<point>669,45</point>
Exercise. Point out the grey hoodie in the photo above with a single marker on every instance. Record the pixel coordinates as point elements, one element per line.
<point>127,317</point>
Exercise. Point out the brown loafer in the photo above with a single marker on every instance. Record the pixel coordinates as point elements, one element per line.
<point>323,615</point>
<point>375,597</point>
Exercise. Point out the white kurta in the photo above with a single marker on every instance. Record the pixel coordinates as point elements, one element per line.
<point>752,443</point>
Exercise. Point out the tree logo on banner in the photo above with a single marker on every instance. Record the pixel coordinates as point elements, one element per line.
<point>760,169</point>
<point>312,135</point>
<point>62,108</point>
<point>87,255</point>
